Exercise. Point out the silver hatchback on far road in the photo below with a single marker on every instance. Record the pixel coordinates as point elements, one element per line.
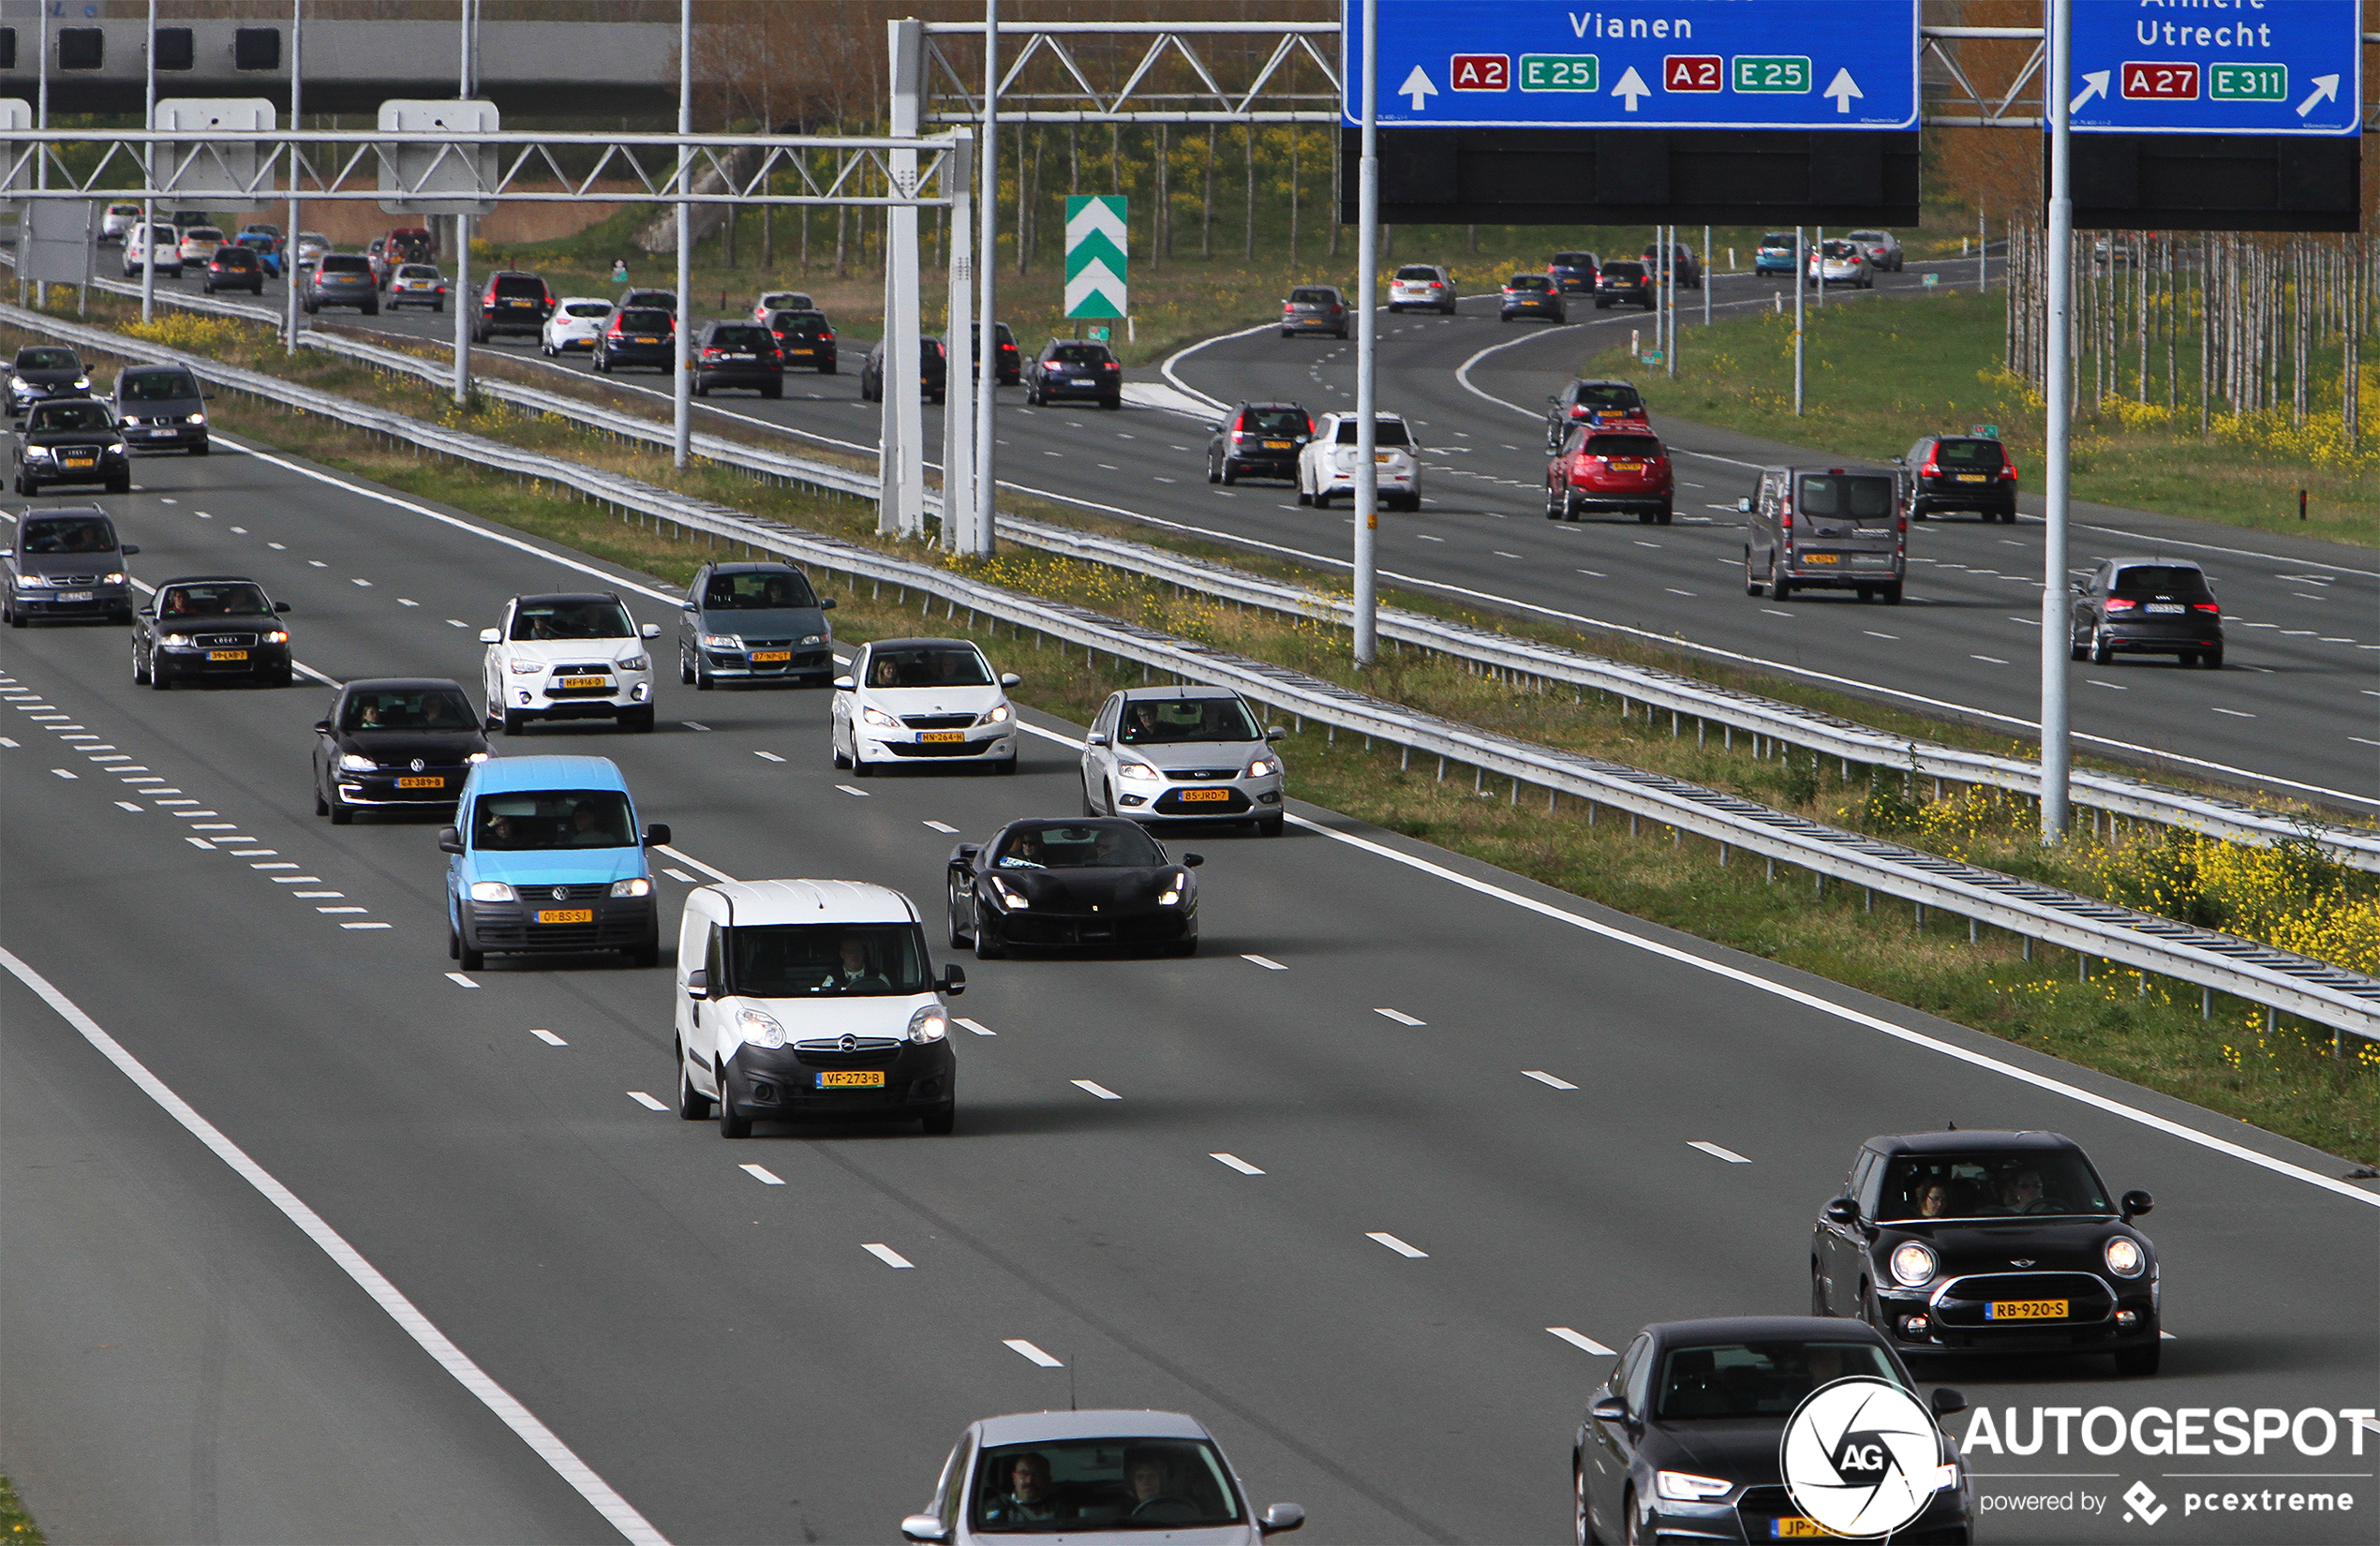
<point>1159,755</point>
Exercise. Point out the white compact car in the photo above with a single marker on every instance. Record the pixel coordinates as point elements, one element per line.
<point>922,700</point>
<point>417,285</point>
<point>117,220</point>
<point>1326,466</point>
<point>1841,263</point>
<point>1165,755</point>
<point>199,242</point>
<point>805,999</point>
<point>161,247</point>
<point>1423,285</point>
<point>576,324</point>
<point>572,656</point>
<point>782,300</point>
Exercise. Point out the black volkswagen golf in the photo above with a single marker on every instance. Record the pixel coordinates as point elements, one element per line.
<point>395,743</point>
<point>1097,882</point>
<point>1989,1242</point>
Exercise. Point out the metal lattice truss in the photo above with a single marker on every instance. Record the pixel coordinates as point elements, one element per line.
<point>449,167</point>
<point>1179,77</point>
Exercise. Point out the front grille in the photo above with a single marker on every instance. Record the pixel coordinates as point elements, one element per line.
<point>1964,1302</point>
<point>544,894</point>
<point>225,641</point>
<point>592,668</point>
<point>934,748</point>
<point>872,1052</point>
<point>1184,775</point>
<point>71,582</point>
<point>938,721</point>
<point>75,453</point>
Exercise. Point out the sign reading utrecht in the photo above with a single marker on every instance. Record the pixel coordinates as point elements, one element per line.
<point>2186,67</point>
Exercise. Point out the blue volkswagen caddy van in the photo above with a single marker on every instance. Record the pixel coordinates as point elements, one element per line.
<point>546,857</point>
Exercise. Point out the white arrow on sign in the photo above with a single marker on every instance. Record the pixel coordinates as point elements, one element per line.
<point>1843,90</point>
<point>1417,85</point>
<point>1633,87</point>
<point>2325,89</point>
<point>2098,87</point>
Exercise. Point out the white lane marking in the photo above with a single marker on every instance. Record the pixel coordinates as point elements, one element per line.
<point>293,880</point>
<point>769,756</point>
<point>456,623</point>
<point>248,853</point>
<point>1095,1088</point>
<point>690,862</point>
<point>277,548</point>
<point>2169,1336</point>
<point>849,789</point>
<point>1675,591</point>
<point>367,926</point>
<point>404,600</point>
<point>1266,962</point>
<point>202,843</point>
<point>135,810</point>
<point>647,1102</point>
<point>309,893</point>
<point>1398,1016</point>
<point>1397,1245</point>
<point>940,826</point>
<point>679,875</point>
<point>1730,1155</point>
<point>366,584</point>
<point>523,1422</point>
<point>1874,635</point>
<point>460,980</point>
<point>1427,538</point>
<point>547,1037</point>
<point>1581,1340</point>
<point>1993,659</point>
<point>1026,1350</point>
<point>184,800</point>
<point>693,725</point>
<point>2236,713</point>
<point>8,743</point>
<point>317,563</point>
<point>1543,1077</point>
<point>64,773</point>
<point>283,864</point>
<point>2117,686</point>
<point>978,1027</point>
<point>342,910</point>
<point>886,1254</point>
<point>1811,1000</point>
<point>1236,1163</point>
<point>762,1174</point>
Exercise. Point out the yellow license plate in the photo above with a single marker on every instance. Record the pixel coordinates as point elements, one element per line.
<point>421,784</point>
<point>1820,558</point>
<point>766,657</point>
<point>565,915</point>
<point>227,654</point>
<point>942,736</point>
<point>1970,477</point>
<point>1797,1529</point>
<point>1276,445</point>
<point>642,340</point>
<point>585,681</point>
<point>852,1078</point>
<point>1206,794</point>
<point>1627,467</point>
<point>1381,457</point>
<point>75,461</point>
<point>2026,1309</point>
<point>797,351</point>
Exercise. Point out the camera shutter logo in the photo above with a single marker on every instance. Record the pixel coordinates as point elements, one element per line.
<point>1860,1457</point>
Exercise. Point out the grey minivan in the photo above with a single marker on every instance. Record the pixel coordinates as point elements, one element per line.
<point>68,564</point>
<point>753,622</point>
<point>161,407</point>
<point>1825,528</point>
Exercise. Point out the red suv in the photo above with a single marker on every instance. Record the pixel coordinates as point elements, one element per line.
<point>1621,467</point>
<point>512,303</point>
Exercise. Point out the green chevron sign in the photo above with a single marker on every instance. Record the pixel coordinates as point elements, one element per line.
<point>1097,241</point>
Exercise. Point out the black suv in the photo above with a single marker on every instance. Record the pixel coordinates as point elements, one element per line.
<point>1259,439</point>
<point>737,353</point>
<point>67,563</point>
<point>1073,367</point>
<point>1686,270</point>
<point>1946,472</point>
<point>512,303</point>
<point>805,338</point>
<point>933,371</point>
<point>2147,606</point>
<point>235,268</point>
<point>638,337</point>
<point>1623,282</point>
<point>341,279</point>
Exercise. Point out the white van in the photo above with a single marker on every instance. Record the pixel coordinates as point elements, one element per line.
<point>805,999</point>
<point>160,242</point>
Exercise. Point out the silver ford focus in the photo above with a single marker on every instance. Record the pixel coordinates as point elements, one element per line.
<point>1160,755</point>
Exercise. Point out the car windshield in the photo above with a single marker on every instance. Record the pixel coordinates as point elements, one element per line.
<point>346,262</point>
<point>1861,497</point>
<point>1275,421</point>
<point>1102,1485</point>
<point>422,271</point>
<point>1624,271</point>
<point>1990,1185</point>
<point>594,618</point>
<point>47,359</point>
<point>792,960</point>
<point>79,416</point>
<point>588,308</point>
<point>1390,432</point>
<point>235,258</point>
<point>801,324</point>
<point>761,590</point>
<point>745,336</point>
<point>1077,845</point>
<point>1529,281</point>
<point>661,298</point>
<point>1155,721</point>
<point>1609,396</point>
<point>786,300</point>
<point>156,386</point>
<point>406,708</point>
<point>928,665</point>
<point>70,534</point>
<point>1312,297</point>
<point>1417,271</point>
<point>524,285</point>
<point>1574,259</point>
<point>1971,454</point>
<point>645,321</point>
<point>204,233</point>
<point>531,820</point>
<point>1623,445</point>
<point>2160,580</point>
<point>1777,241</point>
<point>231,599</point>
<point>1078,354</point>
<point>1758,1378</point>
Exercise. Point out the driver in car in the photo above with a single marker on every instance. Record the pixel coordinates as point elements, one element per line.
<point>2022,1194</point>
<point>853,973</point>
<point>1029,1499</point>
<point>1149,1479</point>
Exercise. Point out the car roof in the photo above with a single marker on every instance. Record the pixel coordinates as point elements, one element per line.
<point>398,684</point>
<point>752,566</point>
<point>569,596</point>
<point>915,644</point>
<point>585,300</point>
<point>1169,694</point>
<point>201,579</point>
<point>547,771</point>
<point>1687,1334</point>
<point>2158,563</point>
<point>1038,1427</point>
<point>33,513</point>
<point>1958,1140</point>
<point>1245,407</point>
<point>1828,469</point>
<point>151,370</point>
<point>756,903</point>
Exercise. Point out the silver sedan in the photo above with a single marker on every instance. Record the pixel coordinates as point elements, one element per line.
<point>1164,755</point>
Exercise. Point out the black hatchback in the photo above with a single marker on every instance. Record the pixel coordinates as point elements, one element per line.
<point>235,268</point>
<point>1259,441</point>
<point>2147,606</point>
<point>1074,368</point>
<point>639,337</point>
<point>738,354</point>
<point>396,743</point>
<point>1623,283</point>
<point>44,371</point>
<point>804,338</point>
<point>933,371</point>
<point>1959,473</point>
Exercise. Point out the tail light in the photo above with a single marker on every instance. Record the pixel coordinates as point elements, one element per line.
<point>1111,365</point>
<point>1930,469</point>
<point>2117,603</point>
<point>827,336</point>
<point>2009,470</point>
<point>711,354</point>
<point>2206,606</point>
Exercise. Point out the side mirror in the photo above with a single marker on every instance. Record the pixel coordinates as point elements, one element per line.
<point>657,835</point>
<point>208,395</point>
<point>924,1527</point>
<point>128,549</point>
<point>1280,1518</point>
<point>1946,1401</point>
<point>448,840</point>
<point>2136,1202</point>
<point>1192,861</point>
<point>953,981</point>
<point>825,604</point>
<point>1900,461</point>
<point>698,984</point>
<point>1009,678</point>
<point>321,727</point>
<point>1744,507</point>
<point>489,635</point>
<point>1275,733</point>
<point>843,684</point>
<point>1609,1409</point>
<point>1842,1210</point>
<point>147,610</point>
<point>689,606</point>
<point>280,606</point>
<point>649,631</point>
<point>1096,737</point>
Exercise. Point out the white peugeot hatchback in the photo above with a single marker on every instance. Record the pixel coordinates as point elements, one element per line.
<point>922,700</point>
<point>568,657</point>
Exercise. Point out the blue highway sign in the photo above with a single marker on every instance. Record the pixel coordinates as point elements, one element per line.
<point>2217,66</point>
<point>1642,64</point>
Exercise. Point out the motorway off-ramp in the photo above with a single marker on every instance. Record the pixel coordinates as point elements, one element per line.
<point>727,1354</point>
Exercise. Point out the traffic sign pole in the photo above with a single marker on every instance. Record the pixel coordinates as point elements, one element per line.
<point>1367,263</point>
<point>1801,289</point>
<point>2055,607</point>
<point>986,285</point>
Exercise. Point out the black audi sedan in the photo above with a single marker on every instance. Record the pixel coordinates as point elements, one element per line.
<point>43,371</point>
<point>2147,606</point>
<point>211,628</point>
<point>400,743</point>
<point>1684,1440</point>
<point>1985,1243</point>
<point>1094,881</point>
<point>77,441</point>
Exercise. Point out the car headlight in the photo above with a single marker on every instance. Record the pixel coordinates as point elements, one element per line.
<point>760,1028</point>
<point>636,886</point>
<point>280,635</point>
<point>1913,1264</point>
<point>33,582</point>
<point>195,418</point>
<point>996,714</point>
<point>721,641</point>
<point>116,578</point>
<point>635,662</point>
<point>878,718</point>
<point>492,891</point>
<point>132,419</point>
<point>354,762</point>
<point>478,757</point>
<point>813,638</point>
<point>1263,767</point>
<point>1009,894</point>
<point>2125,1258</point>
<point>82,383</point>
<point>116,446</point>
<point>1137,772</point>
<point>175,639</point>
<point>930,1023</point>
<point>37,453</point>
<point>1685,1487</point>
<point>527,668</point>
